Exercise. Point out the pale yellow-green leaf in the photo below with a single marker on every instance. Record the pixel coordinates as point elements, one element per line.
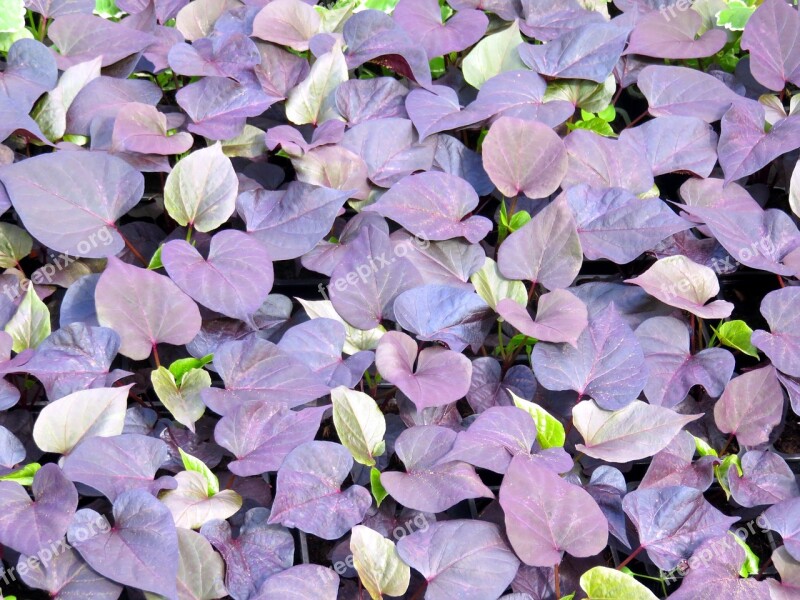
<point>183,402</point>
<point>359,423</point>
<point>30,325</point>
<point>51,111</point>
<point>7,39</point>
<point>356,340</point>
<point>195,465</point>
<point>248,144</point>
<point>192,507</point>
<point>12,15</point>
<point>334,17</point>
<point>15,244</point>
<point>379,567</point>
<point>201,190</point>
<point>311,101</point>
<point>602,583</point>
<point>493,287</point>
<point>794,190</point>
<point>588,95</point>
<point>549,430</point>
<point>494,54</point>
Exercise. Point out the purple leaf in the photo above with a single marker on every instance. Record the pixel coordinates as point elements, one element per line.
<point>765,479</point>
<point>73,358</point>
<point>422,21</point>
<point>772,37</point>
<point>675,36</point>
<point>219,107</point>
<point>432,205</point>
<point>681,282</point>
<point>432,482</point>
<point>547,516</point>
<point>309,494</point>
<point>751,406</point>
<point>51,9</point>
<point>103,98</point>
<point>614,224</point>
<point>279,70</point>
<point>453,157</point>
<point>287,23</point>
<point>261,435</point>
<point>255,370</point>
<point>603,162</point>
<point>319,343</point>
<point>546,250</point>
<point>259,551</point>
<point>441,376</point>
<point>235,278</point>
<point>607,487</point>
<point>12,451</point>
<point>390,148</point>
<point>78,219</point>
<point>676,144</point>
<point>80,38</point>
<point>114,465</point>
<point>636,431</point>
<point>546,20</point>
<point>450,262</point>
<point>560,317</point>
<point>67,576</point>
<point>144,308</point>
<point>490,388</point>
<point>744,145</point>
<point>27,526</point>
<point>371,35</point>
<point>453,316</point>
<point>360,100</point>
<point>141,550</point>
<point>290,223</point>
<point>299,583</point>
<point>30,71</point>
<point>587,52</point>
<point>607,364</point>
<point>782,345</point>
<point>673,522</point>
<point>521,94</point>
<point>672,370</point>
<point>468,560</point>
<point>517,166</point>
<point>143,129</point>
<point>673,466</point>
<point>681,91</point>
<point>368,278</point>
<point>439,110</point>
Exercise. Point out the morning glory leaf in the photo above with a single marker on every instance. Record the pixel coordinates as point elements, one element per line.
<point>560,317</point>
<point>549,430</point>
<point>737,334</point>
<point>182,401</point>
<point>493,287</point>
<point>193,504</point>
<point>312,100</point>
<point>602,583</point>
<point>379,567</point>
<point>771,37</point>
<point>765,478</point>
<point>30,325</point>
<point>781,345</point>
<point>287,23</point>
<point>23,476</point>
<point>15,244</point>
<point>494,54</point>
<point>359,423</point>
<point>300,582</point>
<point>751,406</point>
<point>51,112</point>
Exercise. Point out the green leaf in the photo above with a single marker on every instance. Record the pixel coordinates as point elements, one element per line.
<point>751,565</point>
<point>23,476</point>
<point>721,472</point>
<point>182,399</point>
<point>180,367</point>
<point>493,287</point>
<point>378,564</point>
<point>518,220</point>
<point>586,115</point>
<point>359,423</point>
<point>494,54</point>
<point>386,6</point>
<point>155,262</point>
<point>15,244</point>
<point>191,463</point>
<point>736,334</point>
<point>12,15</point>
<point>30,325</point>
<point>602,583</point>
<point>549,430</point>
<point>378,491</point>
<point>608,114</point>
<point>107,9</point>
<point>735,16</point>
<point>518,340</point>
<point>703,449</point>
<point>596,124</point>
<point>437,67</point>
<point>7,39</point>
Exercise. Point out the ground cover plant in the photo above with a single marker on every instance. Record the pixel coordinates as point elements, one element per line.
<point>407,299</point>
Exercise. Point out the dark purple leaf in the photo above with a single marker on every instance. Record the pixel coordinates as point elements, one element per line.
<point>140,550</point>
<point>450,262</point>
<point>673,466</point>
<point>309,494</point>
<point>547,516</point>
<point>546,20</point>
<point>27,526</point>
<point>360,100</point>
<point>490,388</point>
<point>461,559</point>
<point>751,406</point>
<point>103,98</point>
<point>453,157</point>
<point>607,487</point>
<point>782,345</point>
<point>260,436</point>
<point>673,522</point>
<point>432,481</point>
<point>607,364</point>
<point>765,479</point>
<point>114,465</point>
<point>672,369</point>
<point>439,110</point>
<point>141,128</point>
<point>12,451</point>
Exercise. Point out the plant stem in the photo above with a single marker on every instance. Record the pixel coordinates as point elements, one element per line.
<point>500,338</point>
<point>557,577</point>
<point>631,556</point>
<point>636,120</point>
<point>156,357</point>
<point>727,443</point>
<point>189,233</point>
<point>42,29</point>
<point>133,250</point>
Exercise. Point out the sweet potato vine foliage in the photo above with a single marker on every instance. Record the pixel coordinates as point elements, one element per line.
<point>399,299</point>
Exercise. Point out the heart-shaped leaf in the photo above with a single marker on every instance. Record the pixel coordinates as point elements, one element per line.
<point>782,344</point>
<point>560,317</point>
<point>422,20</point>
<point>751,406</point>
<point>771,36</point>
<point>378,565</point>
<point>359,423</point>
